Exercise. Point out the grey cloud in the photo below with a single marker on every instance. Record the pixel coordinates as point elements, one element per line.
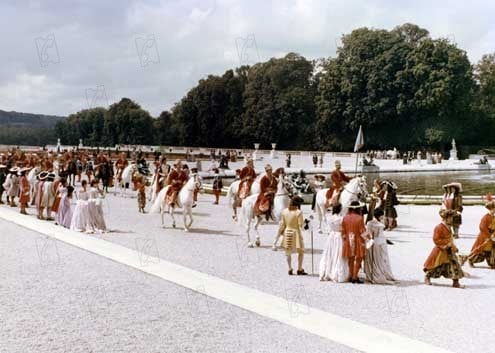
<point>96,42</point>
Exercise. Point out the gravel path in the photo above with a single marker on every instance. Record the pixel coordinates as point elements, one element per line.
<point>56,298</point>
<point>459,320</point>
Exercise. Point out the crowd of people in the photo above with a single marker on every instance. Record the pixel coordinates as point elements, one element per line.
<point>356,233</point>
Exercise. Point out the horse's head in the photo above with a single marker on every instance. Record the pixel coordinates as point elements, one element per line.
<point>198,182</point>
<point>362,187</point>
<point>285,185</point>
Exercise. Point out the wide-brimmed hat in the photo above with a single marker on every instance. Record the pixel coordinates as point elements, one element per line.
<point>320,177</point>
<point>24,169</point>
<point>297,201</point>
<point>2,166</point>
<point>458,186</point>
<point>14,169</point>
<point>489,201</point>
<point>389,183</point>
<point>51,176</point>
<point>355,205</point>
<point>42,175</point>
<point>279,171</point>
<point>268,167</point>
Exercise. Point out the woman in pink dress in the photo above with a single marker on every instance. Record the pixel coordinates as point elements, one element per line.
<point>64,214</point>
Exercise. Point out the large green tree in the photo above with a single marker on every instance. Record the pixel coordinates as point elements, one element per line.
<point>405,88</point>
<point>279,103</point>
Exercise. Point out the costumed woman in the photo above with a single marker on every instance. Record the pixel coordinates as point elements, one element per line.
<point>333,265</point>
<point>443,259</point>
<point>484,246</point>
<point>80,218</point>
<point>64,214</point>
<point>376,262</point>
<point>95,207</point>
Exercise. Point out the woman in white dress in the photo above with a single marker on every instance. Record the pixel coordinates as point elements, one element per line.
<point>80,217</point>
<point>95,207</point>
<point>333,266</point>
<point>376,263</point>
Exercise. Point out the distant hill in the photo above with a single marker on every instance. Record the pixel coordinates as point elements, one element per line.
<point>27,129</point>
<point>16,119</point>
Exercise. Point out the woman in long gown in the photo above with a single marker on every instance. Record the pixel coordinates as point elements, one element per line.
<point>95,207</point>
<point>80,218</point>
<point>333,266</point>
<point>376,262</point>
<point>64,214</point>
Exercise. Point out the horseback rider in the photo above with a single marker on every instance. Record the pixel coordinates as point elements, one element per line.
<point>339,179</point>
<point>176,180</point>
<point>248,174</point>
<point>120,165</point>
<point>161,174</point>
<point>268,187</point>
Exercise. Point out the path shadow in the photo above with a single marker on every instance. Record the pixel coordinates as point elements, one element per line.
<point>214,232</point>
<point>409,283</point>
<point>120,231</point>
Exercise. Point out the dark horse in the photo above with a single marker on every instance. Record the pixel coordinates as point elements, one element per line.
<point>71,172</point>
<point>105,174</point>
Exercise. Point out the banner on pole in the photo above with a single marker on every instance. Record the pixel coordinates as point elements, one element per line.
<point>359,140</point>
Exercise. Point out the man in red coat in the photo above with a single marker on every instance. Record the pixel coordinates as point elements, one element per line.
<point>268,188</point>
<point>176,180</point>
<point>248,174</point>
<point>354,235</point>
<point>339,179</point>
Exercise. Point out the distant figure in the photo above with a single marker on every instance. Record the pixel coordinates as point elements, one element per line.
<point>321,161</point>
<point>288,160</point>
<point>315,160</point>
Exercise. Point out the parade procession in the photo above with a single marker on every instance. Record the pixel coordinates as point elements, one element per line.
<point>228,176</point>
<point>345,226</point>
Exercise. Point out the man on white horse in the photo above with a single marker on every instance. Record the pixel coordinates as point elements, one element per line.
<point>339,179</point>
<point>176,180</point>
<point>268,187</point>
<point>248,175</point>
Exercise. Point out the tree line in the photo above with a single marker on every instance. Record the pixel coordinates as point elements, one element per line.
<point>404,87</point>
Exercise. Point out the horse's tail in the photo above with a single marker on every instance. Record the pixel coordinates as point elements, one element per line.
<point>156,207</point>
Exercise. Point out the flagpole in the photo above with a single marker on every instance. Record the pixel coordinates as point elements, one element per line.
<point>357,159</point>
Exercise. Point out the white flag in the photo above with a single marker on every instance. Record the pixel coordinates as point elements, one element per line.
<point>359,140</point>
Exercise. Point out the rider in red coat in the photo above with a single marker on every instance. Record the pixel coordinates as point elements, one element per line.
<point>248,174</point>
<point>176,180</point>
<point>339,179</point>
<point>268,187</point>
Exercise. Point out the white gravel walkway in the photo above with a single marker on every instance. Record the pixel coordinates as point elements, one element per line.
<point>458,320</point>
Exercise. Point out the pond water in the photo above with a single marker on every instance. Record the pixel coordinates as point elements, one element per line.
<point>428,183</point>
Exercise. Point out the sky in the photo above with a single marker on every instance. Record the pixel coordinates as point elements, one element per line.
<point>58,57</point>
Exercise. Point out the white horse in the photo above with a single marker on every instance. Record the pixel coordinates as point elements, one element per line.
<point>31,177</point>
<point>185,201</point>
<point>121,186</point>
<point>233,199</point>
<point>280,202</point>
<point>353,191</point>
